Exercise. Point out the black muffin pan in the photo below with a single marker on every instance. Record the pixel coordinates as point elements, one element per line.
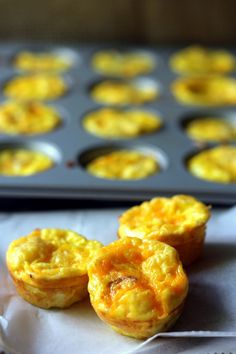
<point>71,147</point>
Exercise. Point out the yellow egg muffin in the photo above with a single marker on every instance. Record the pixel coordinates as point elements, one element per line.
<point>127,64</point>
<point>179,221</point>
<point>123,92</point>
<point>23,162</point>
<point>205,90</point>
<point>35,87</point>
<point>123,164</point>
<point>30,61</point>
<point>199,60</point>
<point>117,123</point>
<point>137,286</point>
<point>49,266</point>
<point>211,129</point>
<point>217,164</point>
<point>27,118</point>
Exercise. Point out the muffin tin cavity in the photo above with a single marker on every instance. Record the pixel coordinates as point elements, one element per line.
<point>215,164</point>
<point>36,86</point>
<point>115,123</point>
<point>195,60</point>
<point>125,92</point>
<point>208,90</point>
<point>123,63</point>
<point>30,118</point>
<point>59,59</point>
<point>158,161</point>
<point>25,159</point>
<point>44,147</point>
<point>210,126</point>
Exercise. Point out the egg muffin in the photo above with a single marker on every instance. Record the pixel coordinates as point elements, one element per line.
<point>123,164</point>
<point>126,64</point>
<point>179,221</point>
<point>49,266</point>
<point>23,162</point>
<point>117,123</point>
<point>33,61</point>
<point>27,118</point>
<point>138,287</point>
<point>217,164</point>
<point>205,90</point>
<point>211,129</point>
<point>123,92</point>
<point>35,87</point>
<point>199,60</point>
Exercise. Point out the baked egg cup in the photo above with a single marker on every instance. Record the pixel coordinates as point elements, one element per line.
<point>137,286</point>
<point>179,221</point>
<point>211,129</point>
<point>127,64</point>
<point>113,123</point>
<point>30,61</point>
<point>27,118</point>
<point>208,90</point>
<point>199,60</point>
<point>119,92</point>
<point>23,162</point>
<point>49,266</point>
<point>35,86</point>
<point>216,164</point>
<point>123,165</point>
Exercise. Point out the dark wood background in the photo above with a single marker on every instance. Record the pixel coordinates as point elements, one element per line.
<point>140,21</point>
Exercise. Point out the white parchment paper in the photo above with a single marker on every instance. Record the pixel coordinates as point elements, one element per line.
<point>210,309</point>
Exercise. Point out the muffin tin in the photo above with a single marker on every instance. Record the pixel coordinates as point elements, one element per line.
<point>72,147</point>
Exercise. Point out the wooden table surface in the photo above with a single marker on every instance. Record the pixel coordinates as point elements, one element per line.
<point>140,21</point>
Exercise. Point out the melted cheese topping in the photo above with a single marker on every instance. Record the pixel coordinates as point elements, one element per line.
<point>205,90</point>
<point>41,62</point>
<point>114,123</point>
<point>35,87</point>
<point>217,164</point>
<point>118,92</point>
<point>23,162</point>
<point>123,164</point>
<point>211,129</point>
<point>136,280</point>
<point>50,254</point>
<point>27,118</point>
<point>112,62</point>
<point>165,219</point>
<point>199,60</point>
